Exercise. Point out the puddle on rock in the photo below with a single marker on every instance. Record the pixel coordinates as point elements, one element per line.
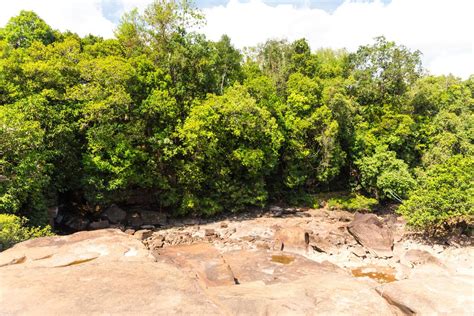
<point>283,259</point>
<point>379,274</point>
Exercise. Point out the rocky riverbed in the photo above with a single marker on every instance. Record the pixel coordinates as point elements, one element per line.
<point>284,261</point>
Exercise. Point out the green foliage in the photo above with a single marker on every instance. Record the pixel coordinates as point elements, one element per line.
<point>162,109</point>
<point>22,30</point>
<point>353,203</point>
<point>383,72</point>
<point>443,196</point>
<point>23,165</point>
<point>385,176</point>
<point>311,154</point>
<point>13,230</point>
<point>230,145</point>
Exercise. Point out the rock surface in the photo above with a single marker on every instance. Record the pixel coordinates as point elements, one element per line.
<point>431,295</point>
<point>114,214</point>
<point>373,234</point>
<point>238,267</point>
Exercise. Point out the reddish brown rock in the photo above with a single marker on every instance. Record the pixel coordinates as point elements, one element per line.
<point>203,259</point>
<point>288,238</point>
<point>431,295</point>
<point>373,234</point>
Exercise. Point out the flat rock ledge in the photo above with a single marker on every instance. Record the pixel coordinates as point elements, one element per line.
<point>109,272</point>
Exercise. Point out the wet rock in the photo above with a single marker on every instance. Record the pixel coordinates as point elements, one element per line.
<point>431,295</point>
<point>114,214</point>
<point>101,224</point>
<point>373,234</point>
<point>143,234</point>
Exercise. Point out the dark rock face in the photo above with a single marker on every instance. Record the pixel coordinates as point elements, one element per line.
<point>114,214</point>
<point>153,218</point>
<point>373,234</point>
<point>101,224</point>
<point>76,223</point>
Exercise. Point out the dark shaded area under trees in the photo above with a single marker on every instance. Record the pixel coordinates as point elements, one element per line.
<point>194,126</point>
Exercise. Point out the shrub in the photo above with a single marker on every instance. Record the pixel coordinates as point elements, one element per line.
<point>444,196</point>
<point>353,202</point>
<point>385,176</point>
<point>13,230</point>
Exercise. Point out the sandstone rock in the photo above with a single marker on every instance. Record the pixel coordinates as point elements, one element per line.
<point>414,257</point>
<point>101,224</point>
<point>431,295</point>
<point>359,251</point>
<point>202,259</point>
<point>373,234</point>
<point>422,263</point>
<point>112,283</point>
<point>321,244</point>
<point>208,232</point>
<point>114,214</point>
<point>143,234</point>
<point>288,284</point>
<point>129,231</point>
<point>291,238</point>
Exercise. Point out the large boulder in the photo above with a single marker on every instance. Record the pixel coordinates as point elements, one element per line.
<point>153,218</point>
<point>97,272</point>
<point>114,214</point>
<point>291,238</point>
<point>373,234</point>
<point>431,295</point>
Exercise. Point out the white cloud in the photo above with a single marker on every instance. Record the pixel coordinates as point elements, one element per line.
<point>441,29</point>
<point>80,16</point>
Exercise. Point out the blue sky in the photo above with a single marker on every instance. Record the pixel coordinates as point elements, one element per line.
<point>441,29</point>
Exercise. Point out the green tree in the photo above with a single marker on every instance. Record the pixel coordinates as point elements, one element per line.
<point>385,176</point>
<point>443,197</point>
<point>26,28</point>
<point>23,166</point>
<point>230,145</point>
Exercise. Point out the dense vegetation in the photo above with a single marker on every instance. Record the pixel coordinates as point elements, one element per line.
<point>199,127</point>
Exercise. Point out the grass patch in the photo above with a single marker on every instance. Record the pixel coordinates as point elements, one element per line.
<point>353,202</point>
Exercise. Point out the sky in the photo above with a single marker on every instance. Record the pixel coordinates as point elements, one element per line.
<point>443,30</point>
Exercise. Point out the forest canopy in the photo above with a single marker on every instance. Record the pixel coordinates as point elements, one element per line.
<point>200,127</point>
